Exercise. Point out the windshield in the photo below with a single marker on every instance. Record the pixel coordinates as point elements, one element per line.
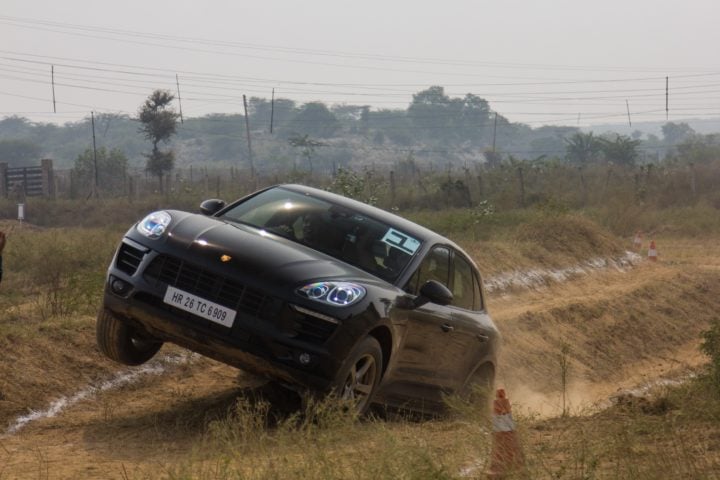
<point>342,233</point>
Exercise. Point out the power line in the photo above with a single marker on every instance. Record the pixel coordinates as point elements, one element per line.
<point>87,30</point>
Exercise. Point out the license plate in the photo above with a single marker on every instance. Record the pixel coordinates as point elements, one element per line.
<point>199,306</point>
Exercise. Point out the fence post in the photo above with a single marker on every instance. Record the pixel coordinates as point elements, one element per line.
<point>3,179</point>
<point>392,187</point>
<point>138,186</point>
<point>48,183</point>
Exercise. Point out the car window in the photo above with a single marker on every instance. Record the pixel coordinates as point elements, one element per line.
<point>463,292</point>
<point>335,230</point>
<point>435,266</point>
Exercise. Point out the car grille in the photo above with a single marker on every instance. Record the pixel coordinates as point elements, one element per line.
<point>165,269</point>
<point>129,258</point>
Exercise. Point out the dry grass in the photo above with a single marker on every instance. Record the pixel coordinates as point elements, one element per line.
<point>671,433</point>
<point>674,433</point>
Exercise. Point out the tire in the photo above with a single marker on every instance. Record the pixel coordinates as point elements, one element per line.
<point>359,376</point>
<point>121,342</point>
<point>480,386</point>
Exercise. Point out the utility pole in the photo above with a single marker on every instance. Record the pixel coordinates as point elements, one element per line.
<point>95,166</point>
<point>627,104</point>
<point>494,132</point>
<point>177,82</point>
<point>52,77</point>
<point>667,98</point>
<point>247,131</point>
<point>272,110</point>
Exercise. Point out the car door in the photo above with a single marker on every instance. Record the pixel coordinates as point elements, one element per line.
<point>421,370</point>
<point>472,327</point>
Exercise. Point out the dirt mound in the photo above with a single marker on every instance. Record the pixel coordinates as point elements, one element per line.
<point>42,365</point>
<point>549,242</point>
<point>567,235</point>
<point>607,332</point>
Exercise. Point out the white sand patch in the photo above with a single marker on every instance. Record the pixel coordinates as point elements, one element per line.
<point>126,377</point>
<point>540,277</point>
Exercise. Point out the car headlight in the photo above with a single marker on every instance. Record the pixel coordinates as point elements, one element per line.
<point>339,294</point>
<point>155,224</point>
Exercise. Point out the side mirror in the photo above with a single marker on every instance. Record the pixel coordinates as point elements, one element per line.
<point>432,291</point>
<point>436,292</point>
<point>211,207</point>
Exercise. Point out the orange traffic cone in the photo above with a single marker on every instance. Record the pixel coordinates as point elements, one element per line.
<point>637,241</point>
<point>652,252</point>
<point>506,452</point>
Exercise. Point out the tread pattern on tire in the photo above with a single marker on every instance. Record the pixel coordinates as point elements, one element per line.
<point>115,340</point>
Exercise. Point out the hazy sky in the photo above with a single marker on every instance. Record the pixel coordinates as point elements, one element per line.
<point>554,61</point>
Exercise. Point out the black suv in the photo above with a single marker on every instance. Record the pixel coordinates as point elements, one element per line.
<point>308,288</point>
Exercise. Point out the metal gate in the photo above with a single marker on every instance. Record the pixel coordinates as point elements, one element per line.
<point>35,181</point>
<point>26,179</point>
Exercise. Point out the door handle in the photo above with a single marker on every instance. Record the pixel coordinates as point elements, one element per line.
<point>446,327</point>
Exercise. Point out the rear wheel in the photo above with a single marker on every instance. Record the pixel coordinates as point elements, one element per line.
<point>123,343</point>
<point>360,374</point>
<point>479,389</point>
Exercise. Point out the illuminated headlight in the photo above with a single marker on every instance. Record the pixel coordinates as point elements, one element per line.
<point>340,294</point>
<point>155,224</point>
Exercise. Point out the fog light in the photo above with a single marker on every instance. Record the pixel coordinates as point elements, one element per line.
<point>118,286</point>
<point>304,358</point>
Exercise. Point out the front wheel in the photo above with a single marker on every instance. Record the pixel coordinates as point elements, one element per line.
<point>121,342</point>
<point>360,375</point>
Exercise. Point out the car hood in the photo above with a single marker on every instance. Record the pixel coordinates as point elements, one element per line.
<point>264,256</point>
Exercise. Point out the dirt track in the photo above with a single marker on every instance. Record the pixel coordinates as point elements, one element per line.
<point>623,329</point>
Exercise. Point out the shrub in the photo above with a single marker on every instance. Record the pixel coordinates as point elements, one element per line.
<point>710,346</point>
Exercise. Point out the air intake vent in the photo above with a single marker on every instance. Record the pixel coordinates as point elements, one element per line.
<point>129,258</point>
<point>314,330</point>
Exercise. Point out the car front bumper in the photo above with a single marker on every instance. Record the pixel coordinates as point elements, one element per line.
<point>269,336</point>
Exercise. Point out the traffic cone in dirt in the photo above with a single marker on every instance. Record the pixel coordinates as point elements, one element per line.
<point>506,455</point>
<point>652,252</point>
<point>637,241</point>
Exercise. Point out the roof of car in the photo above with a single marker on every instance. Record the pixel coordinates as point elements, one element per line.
<point>401,223</point>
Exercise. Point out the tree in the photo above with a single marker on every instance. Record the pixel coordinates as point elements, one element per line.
<point>699,149</point>
<point>622,150</point>
<point>476,119</point>
<point>112,169</point>
<point>582,148</point>
<point>393,125</point>
<point>14,126</point>
<point>451,119</point>
<point>20,153</point>
<point>308,146</point>
<point>316,120</point>
<point>159,123</point>
<point>429,110</point>
<point>262,111</point>
<point>674,133</point>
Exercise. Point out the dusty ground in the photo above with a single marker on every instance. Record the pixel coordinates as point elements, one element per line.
<point>622,329</point>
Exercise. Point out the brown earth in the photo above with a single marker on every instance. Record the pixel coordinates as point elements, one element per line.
<point>622,329</point>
